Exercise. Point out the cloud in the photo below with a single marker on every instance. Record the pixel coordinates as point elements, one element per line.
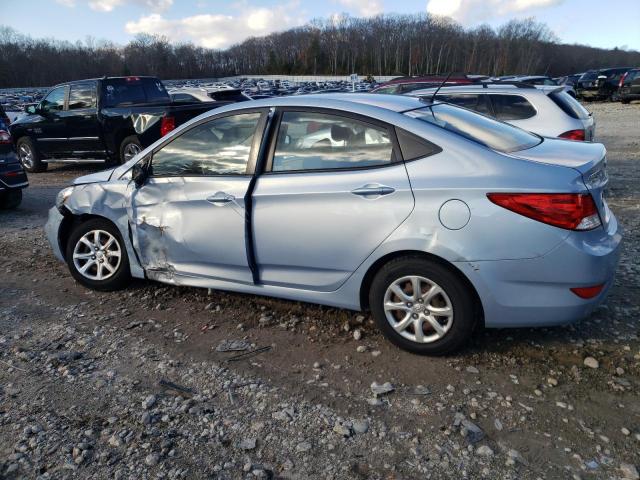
<point>220,31</point>
<point>365,8</point>
<point>475,11</point>
<point>110,5</point>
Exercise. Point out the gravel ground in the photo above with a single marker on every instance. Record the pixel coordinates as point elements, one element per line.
<point>132,385</point>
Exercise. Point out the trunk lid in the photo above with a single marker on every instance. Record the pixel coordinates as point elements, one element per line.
<point>590,159</point>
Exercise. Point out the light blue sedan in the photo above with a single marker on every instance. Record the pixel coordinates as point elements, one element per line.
<point>433,217</point>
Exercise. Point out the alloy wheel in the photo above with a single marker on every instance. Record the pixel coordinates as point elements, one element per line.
<point>418,309</point>
<point>25,154</point>
<point>131,150</point>
<point>97,255</point>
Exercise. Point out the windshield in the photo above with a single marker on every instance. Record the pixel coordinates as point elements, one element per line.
<point>496,135</point>
<point>590,75</point>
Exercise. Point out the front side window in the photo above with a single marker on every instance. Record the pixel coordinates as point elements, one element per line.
<point>496,135</point>
<point>54,101</point>
<point>219,147</point>
<point>319,141</point>
<point>512,107</point>
<point>82,96</point>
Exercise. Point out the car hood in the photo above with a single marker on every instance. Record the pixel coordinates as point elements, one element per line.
<point>582,156</point>
<point>97,177</point>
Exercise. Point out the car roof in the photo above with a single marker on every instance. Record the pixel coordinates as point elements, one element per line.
<point>529,77</point>
<point>72,82</point>
<point>394,103</point>
<point>488,88</point>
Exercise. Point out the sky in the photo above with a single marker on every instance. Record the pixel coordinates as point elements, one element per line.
<point>219,24</point>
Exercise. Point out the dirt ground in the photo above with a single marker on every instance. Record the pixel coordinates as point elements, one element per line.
<point>84,392</point>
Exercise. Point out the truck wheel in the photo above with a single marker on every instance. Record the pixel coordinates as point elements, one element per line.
<point>624,100</point>
<point>129,148</point>
<point>11,199</point>
<point>29,156</point>
<point>97,256</point>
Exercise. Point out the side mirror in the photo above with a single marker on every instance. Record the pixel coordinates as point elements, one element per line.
<point>140,172</point>
<point>31,109</point>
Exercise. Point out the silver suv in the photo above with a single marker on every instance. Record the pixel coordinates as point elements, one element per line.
<point>546,110</point>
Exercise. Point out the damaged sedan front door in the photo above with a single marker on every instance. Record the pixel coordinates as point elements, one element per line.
<point>188,218</point>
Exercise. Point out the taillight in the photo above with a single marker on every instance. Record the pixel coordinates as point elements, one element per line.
<point>587,292</point>
<point>622,80</point>
<point>5,137</point>
<point>166,125</point>
<point>573,135</point>
<point>572,211</point>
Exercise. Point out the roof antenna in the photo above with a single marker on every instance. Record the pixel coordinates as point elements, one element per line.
<point>433,97</point>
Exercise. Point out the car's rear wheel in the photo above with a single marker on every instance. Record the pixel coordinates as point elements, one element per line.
<point>97,257</point>
<point>10,199</point>
<point>422,306</point>
<point>29,156</point>
<point>129,148</point>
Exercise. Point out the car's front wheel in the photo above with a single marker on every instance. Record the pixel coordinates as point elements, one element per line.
<point>422,306</point>
<point>97,257</point>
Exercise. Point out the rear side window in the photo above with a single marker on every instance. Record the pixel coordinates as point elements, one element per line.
<point>472,102</point>
<point>569,105</point>
<point>319,141</point>
<point>512,107</point>
<point>133,90</point>
<point>82,95</point>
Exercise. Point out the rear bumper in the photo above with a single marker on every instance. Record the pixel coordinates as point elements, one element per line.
<point>12,175</point>
<point>590,93</point>
<point>536,292</point>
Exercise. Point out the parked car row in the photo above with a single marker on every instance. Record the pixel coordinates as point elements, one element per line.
<point>218,191</point>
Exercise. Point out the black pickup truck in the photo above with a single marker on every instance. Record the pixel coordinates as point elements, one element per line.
<point>105,120</point>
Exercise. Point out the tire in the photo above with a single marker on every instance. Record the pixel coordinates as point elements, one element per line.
<point>10,199</point>
<point>112,280</point>
<point>624,100</point>
<point>129,146</point>
<point>454,299</point>
<point>29,156</point>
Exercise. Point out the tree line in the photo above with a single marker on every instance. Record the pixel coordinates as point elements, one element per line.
<point>381,45</point>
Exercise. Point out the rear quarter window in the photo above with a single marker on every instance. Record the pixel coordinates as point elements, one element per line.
<point>511,107</point>
<point>569,105</point>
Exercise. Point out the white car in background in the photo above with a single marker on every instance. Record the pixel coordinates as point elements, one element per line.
<point>198,94</point>
<point>546,110</point>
